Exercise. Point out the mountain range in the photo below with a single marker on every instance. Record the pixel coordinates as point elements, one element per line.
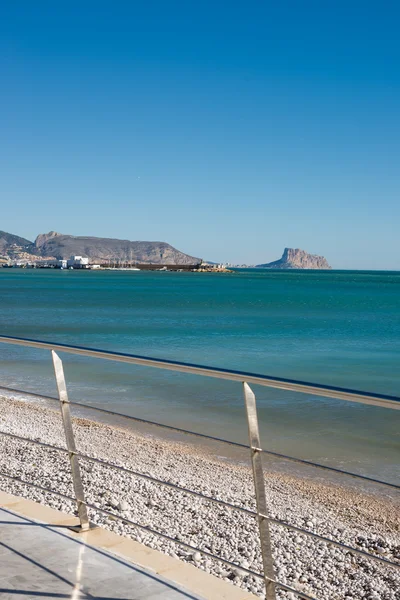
<point>99,250</point>
<point>55,245</point>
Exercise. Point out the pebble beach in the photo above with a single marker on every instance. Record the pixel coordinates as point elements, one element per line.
<point>367,520</point>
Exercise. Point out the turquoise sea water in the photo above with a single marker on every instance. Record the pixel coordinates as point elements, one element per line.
<point>339,327</point>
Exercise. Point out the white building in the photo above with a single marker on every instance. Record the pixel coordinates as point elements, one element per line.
<point>78,262</point>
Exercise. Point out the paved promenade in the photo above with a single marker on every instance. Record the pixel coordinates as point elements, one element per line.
<point>40,561</point>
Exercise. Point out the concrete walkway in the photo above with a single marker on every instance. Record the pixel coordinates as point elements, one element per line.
<point>42,561</point>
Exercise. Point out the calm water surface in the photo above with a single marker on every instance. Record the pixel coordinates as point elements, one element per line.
<point>339,327</point>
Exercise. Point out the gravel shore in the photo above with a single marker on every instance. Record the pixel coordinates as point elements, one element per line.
<point>364,520</point>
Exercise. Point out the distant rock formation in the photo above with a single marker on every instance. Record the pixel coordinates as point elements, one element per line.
<point>43,238</point>
<point>103,250</point>
<point>293,258</point>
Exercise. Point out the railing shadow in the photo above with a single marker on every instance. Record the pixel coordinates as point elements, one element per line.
<point>26,522</point>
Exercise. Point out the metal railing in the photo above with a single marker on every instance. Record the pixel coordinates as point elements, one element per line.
<point>261,513</point>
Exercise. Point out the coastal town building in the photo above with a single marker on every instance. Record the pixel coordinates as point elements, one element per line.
<point>78,262</point>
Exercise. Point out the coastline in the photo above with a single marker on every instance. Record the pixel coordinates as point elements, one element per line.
<point>351,516</point>
<point>248,322</point>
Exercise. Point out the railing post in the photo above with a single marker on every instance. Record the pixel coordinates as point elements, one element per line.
<point>259,486</point>
<point>69,436</point>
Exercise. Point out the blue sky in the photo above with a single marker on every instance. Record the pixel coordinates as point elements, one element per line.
<point>228,129</point>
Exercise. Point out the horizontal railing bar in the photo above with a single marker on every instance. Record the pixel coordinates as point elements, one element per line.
<point>205,497</point>
<point>37,486</point>
<point>292,385</point>
<point>208,437</point>
<point>164,483</point>
<point>159,534</point>
<point>340,545</point>
<point>130,472</point>
<point>36,442</point>
<point>237,444</point>
<point>195,549</point>
<point>26,393</point>
<point>248,511</point>
<point>174,540</point>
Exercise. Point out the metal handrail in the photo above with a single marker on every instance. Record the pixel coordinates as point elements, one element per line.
<point>157,533</point>
<point>113,413</point>
<point>316,389</point>
<point>205,552</point>
<point>184,490</point>
<point>261,514</point>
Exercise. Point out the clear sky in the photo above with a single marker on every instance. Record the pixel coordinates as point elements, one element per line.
<point>228,129</point>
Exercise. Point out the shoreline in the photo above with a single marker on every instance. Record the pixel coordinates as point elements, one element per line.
<point>220,450</point>
<point>353,516</point>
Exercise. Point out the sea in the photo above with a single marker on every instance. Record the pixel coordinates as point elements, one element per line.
<point>338,328</point>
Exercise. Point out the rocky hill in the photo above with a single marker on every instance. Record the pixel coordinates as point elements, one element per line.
<point>8,242</point>
<point>98,250</point>
<point>294,258</point>
<point>102,250</point>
